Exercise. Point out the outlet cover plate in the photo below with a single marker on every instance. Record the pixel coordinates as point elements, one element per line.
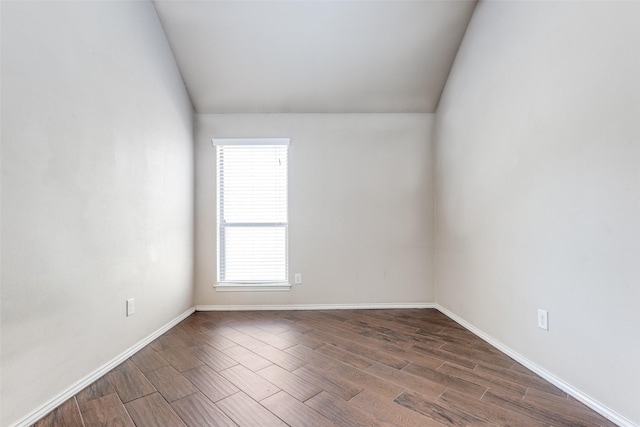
<point>131,307</point>
<point>543,319</point>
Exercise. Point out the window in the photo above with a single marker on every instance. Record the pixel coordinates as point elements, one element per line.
<point>252,232</point>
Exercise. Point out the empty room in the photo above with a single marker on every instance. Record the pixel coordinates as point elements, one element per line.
<point>320,212</point>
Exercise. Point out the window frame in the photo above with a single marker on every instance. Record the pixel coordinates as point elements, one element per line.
<point>221,225</point>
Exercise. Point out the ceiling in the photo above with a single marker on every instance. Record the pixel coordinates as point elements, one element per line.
<point>315,56</point>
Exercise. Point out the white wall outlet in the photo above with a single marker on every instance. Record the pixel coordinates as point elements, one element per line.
<point>131,307</point>
<point>298,278</point>
<point>543,319</point>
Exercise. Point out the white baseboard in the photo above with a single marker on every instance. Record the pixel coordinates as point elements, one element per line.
<point>84,382</point>
<point>592,403</point>
<point>363,306</point>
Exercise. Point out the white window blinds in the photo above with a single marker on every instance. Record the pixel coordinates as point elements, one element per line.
<point>252,211</point>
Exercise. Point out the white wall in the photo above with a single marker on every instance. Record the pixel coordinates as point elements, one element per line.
<point>538,189</point>
<point>360,207</point>
<point>97,191</point>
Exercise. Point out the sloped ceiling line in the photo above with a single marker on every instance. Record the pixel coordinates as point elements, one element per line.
<point>314,56</point>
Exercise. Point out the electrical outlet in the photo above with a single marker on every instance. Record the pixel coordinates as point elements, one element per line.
<point>543,319</point>
<point>298,278</point>
<point>131,308</point>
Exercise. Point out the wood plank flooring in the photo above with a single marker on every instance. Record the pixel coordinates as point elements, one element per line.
<point>349,368</point>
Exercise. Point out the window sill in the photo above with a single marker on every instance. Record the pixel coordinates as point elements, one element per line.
<point>238,287</point>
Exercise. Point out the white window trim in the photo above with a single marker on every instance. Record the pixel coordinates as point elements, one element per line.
<point>250,141</point>
<point>250,287</point>
<point>239,287</point>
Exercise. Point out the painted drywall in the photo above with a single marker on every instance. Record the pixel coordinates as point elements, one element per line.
<point>538,189</point>
<point>283,56</point>
<point>97,191</point>
<point>360,199</point>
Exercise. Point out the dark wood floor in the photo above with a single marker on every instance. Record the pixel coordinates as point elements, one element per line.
<point>319,368</point>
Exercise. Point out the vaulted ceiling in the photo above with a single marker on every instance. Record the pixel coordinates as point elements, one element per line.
<point>315,56</point>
